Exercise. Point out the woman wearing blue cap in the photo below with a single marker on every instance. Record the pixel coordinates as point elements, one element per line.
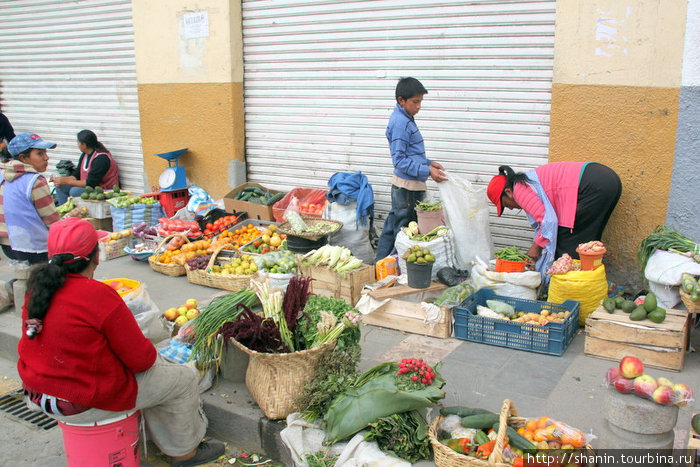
<point>26,206</point>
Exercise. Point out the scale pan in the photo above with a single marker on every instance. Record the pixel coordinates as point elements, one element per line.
<point>172,155</point>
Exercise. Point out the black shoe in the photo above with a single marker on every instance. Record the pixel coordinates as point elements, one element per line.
<point>206,452</point>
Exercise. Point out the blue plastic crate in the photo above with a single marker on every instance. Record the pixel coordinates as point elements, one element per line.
<point>551,338</point>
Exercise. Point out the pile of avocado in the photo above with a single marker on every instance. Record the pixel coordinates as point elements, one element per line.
<point>99,194</point>
<point>649,309</point>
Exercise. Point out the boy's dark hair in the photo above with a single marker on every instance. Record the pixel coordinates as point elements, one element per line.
<point>409,87</point>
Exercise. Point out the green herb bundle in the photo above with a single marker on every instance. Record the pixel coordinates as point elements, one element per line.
<point>669,239</point>
<point>320,459</point>
<point>403,434</point>
<point>307,329</point>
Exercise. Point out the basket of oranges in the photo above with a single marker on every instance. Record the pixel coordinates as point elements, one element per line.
<point>167,258</point>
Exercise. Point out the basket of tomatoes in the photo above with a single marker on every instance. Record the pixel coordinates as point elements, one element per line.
<point>218,220</point>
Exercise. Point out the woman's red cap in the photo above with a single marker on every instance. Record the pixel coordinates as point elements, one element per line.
<point>495,191</point>
<point>72,235</point>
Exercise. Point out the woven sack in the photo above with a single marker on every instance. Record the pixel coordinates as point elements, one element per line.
<point>587,287</point>
<point>276,380</point>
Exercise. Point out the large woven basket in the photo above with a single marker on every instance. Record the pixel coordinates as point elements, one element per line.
<point>334,226</point>
<point>276,380</point>
<point>446,457</point>
<point>693,307</point>
<point>173,270</point>
<point>230,282</point>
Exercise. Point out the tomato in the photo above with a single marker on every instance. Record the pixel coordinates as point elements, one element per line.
<point>209,226</point>
<point>207,231</point>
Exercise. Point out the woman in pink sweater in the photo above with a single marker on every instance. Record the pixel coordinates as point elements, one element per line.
<point>566,202</point>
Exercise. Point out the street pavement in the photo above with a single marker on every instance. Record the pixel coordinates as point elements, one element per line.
<point>568,388</point>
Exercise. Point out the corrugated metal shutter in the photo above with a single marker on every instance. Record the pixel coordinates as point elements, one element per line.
<point>68,66</point>
<point>320,78</point>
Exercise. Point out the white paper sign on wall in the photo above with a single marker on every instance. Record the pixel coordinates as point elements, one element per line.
<point>196,24</point>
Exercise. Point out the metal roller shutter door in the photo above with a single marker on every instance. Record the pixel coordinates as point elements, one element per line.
<point>68,66</point>
<point>320,76</point>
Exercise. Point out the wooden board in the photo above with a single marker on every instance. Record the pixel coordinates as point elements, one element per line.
<point>609,350</point>
<point>675,320</point>
<point>409,317</point>
<point>403,290</point>
<point>330,284</point>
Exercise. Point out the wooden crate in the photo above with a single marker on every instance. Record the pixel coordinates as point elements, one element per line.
<point>614,335</point>
<point>408,316</point>
<point>330,284</point>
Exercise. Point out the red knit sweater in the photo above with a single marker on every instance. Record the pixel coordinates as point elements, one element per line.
<point>89,350</point>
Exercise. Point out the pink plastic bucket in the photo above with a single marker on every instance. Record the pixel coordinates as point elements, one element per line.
<point>111,444</point>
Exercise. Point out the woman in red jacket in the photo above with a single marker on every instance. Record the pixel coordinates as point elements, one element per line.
<point>83,358</point>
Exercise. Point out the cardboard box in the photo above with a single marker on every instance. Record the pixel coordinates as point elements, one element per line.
<point>613,335</point>
<point>101,224</point>
<point>113,248</point>
<point>255,211</point>
<point>404,312</point>
<point>329,283</point>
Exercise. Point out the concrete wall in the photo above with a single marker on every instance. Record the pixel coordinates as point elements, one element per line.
<point>683,203</point>
<point>190,89</point>
<point>615,99</point>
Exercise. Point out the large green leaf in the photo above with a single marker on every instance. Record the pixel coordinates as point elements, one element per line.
<point>376,396</point>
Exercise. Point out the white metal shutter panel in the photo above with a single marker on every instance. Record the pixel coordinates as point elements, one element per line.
<point>69,66</point>
<point>320,77</point>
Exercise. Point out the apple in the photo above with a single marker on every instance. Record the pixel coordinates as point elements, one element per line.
<point>170,314</point>
<point>182,310</point>
<point>191,303</point>
<point>631,367</point>
<point>624,385</point>
<point>182,319</point>
<point>192,314</point>
<point>664,382</point>
<point>682,394</point>
<point>612,374</point>
<point>663,395</point>
<point>644,386</point>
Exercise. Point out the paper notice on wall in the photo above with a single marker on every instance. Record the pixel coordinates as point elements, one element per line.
<point>196,24</point>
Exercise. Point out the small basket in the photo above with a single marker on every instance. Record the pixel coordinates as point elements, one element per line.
<point>505,265</point>
<point>693,307</point>
<point>446,457</point>
<point>173,270</point>
<point>285,228</point>
<point>138,256</point>
<point>276,380</point>
<point>230,282</point>
<point>591,261</point>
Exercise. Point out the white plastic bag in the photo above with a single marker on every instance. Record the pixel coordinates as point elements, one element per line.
<point>467,215</point>
<point>510,284</point>
<point>353,236</point>
<point>441,247</point>
<point>147,314</point>
<point>664,271</point>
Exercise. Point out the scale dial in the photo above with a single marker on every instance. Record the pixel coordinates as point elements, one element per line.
<point>167,178</point>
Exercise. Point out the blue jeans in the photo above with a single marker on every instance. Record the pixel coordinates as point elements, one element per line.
<point>64,191</point>
<point>403,211</point>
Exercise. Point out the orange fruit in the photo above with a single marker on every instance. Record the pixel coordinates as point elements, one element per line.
<point>549,432</point>
<point>521,431</point>
<point>531,425</point>
<point>543,422</point>
<point>539,435</point>
<point>578,440</point>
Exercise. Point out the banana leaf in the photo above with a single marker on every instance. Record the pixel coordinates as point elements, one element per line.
<point>376,396</point>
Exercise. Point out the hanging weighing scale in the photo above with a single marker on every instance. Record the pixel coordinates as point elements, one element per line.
<point>172,178</point>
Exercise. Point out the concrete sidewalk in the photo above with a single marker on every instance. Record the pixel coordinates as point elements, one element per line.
<point>568,388</point>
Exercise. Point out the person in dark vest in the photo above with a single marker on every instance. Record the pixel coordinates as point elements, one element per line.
<point>26,205</point>
<point>96,167</point>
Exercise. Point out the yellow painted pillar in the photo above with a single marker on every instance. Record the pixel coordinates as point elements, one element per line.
<point>615,92</point>
<point>189,65</point>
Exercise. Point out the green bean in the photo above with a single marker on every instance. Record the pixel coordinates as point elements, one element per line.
<point>511,254</point>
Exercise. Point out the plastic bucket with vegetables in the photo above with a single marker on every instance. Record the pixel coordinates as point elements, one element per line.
<point>591,254</point>
<point>504,265</point>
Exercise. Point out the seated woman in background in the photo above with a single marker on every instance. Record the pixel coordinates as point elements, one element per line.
<point>96,167</point>
<point>26,205</point>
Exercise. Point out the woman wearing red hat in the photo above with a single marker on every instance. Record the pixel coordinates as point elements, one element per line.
<point>566,202</point>
<point>83,358</point>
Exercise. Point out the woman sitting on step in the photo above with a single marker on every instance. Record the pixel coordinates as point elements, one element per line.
<point>83,358</point>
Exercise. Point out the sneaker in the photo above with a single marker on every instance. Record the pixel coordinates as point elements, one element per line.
<point>206,452</point>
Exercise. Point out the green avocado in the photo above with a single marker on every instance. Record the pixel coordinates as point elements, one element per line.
<point>619,300</point>
<point>650,302</point>
<point>658,315</point>
<point>628,306</point>
<point>695,423</point>
<point>638,314</point>
<point>609,305</point>
<point>84,195</point>
<point>88,189</point>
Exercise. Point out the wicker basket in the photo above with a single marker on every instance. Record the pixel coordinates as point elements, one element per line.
<point>693,307</point>
<point>173,270</point>
<point>286,229</point>
<point>446,457</point>
<point>230,282</point>
<point>276,380</point>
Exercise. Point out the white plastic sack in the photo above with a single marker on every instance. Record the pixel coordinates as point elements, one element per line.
<point>353,236</point>
<point>302,437</point>
<point>467,215</point>
<point>147,314</point>
<point>666,268</point>
<point>667,296</point>
<point>510,284</point>
<point>441,247</point>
